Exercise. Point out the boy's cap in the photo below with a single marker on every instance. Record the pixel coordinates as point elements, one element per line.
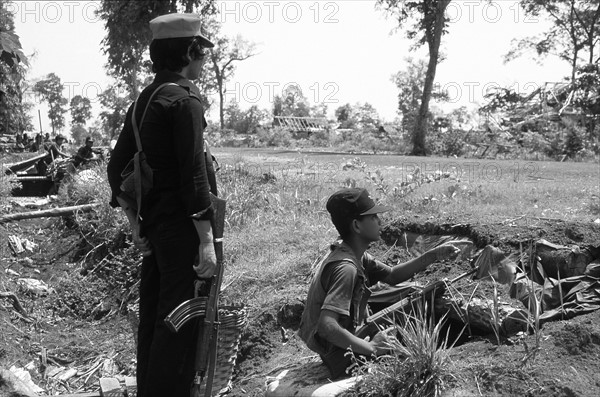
<point>353,202</point>
<point>89,139</point>
<point>177,25</point>
<point>59,136</point>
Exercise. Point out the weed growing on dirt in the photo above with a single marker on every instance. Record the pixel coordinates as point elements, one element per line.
<point>495,318</point>
<point>7,184</point>
<point>417,367</point>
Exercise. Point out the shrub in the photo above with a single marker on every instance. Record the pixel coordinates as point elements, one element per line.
<point>418,365</point>
<point>278,137</point>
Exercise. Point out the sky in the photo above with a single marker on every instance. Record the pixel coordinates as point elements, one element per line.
<point>337,52</point>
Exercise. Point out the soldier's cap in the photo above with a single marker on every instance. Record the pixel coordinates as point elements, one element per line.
<point>352,203</point>
<point>89,139</point>
<point>59,136</point>
<point>177,25</point>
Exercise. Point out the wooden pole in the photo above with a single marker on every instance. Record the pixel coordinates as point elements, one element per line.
<point>48,213</point>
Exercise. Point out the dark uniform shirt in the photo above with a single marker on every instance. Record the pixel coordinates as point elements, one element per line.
<point>172,139</point>
<point>85,152</point>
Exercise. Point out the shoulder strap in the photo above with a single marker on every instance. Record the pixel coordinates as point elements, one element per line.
<point>136,131</point>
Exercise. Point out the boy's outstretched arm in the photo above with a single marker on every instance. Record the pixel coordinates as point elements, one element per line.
<point>404,271</point>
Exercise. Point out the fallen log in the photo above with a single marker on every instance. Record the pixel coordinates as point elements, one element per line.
<point>48,213</point>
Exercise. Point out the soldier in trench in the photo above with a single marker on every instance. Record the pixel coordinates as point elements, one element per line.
<point>337,298</point>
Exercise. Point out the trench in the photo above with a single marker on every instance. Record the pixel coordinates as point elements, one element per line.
<point>516,282</point>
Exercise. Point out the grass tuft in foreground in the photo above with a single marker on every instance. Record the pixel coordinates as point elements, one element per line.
<point>418,366</point>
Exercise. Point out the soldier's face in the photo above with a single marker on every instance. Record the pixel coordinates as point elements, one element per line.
<point>369,227</point>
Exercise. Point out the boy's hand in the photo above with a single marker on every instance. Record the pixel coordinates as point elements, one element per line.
<point>382,341</point>
<point>450,250</point>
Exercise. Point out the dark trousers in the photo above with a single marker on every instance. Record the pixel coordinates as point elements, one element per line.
<point>165,360</point>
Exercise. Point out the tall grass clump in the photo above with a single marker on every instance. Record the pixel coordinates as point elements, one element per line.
<point>104,226</point>
<point>275,225</point>
<point>7,184</point>
<point>418,366</point>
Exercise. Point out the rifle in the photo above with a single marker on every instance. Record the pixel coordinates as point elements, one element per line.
<point>385,317</point>
<point>205,309</point>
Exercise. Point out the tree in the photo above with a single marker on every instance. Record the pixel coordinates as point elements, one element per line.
<point>428,25</point>
<point>243,122</point>
<point>81,109</point>
<point>410,83</point>
<point>222,57</point>
<point>50,90</point>
<point>128,35</point>
<point>345,116</point>
<point>78,132</point>
<point>292,103</point>
<point>14,111</point>
<point>115,106</point>
<point>574,30</point>
<point>367,115</point>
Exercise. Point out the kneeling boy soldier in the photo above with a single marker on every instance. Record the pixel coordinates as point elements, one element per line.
<point>337,298</point>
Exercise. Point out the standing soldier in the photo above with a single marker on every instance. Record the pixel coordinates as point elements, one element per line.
<point>173,231</point>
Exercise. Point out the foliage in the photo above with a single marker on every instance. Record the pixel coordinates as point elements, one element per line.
<point>7,184</point>
<point>222,57</point>
<point>50,89</point>
<point>14,110</point>
<point>428,23</point>
<point>78,133</point>
<point>357,116</point>
<point>292,103</point>
<point>574,30</point>
<point>501,98</point>
<point>410,84</point>
<point>115,108</point>
<point>447,142</point>
<point>243,122</point>
<point>587,89</point>
<point>10,46</point>
<point>276,136</point>
<point>81,109</point>
<point>127,34</point>
<point>105,226</point>
<point>417,366</point>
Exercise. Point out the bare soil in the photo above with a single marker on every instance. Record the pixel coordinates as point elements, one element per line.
<point>566,364</point>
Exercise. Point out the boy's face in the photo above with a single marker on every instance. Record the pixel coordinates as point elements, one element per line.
<point>370,226</point>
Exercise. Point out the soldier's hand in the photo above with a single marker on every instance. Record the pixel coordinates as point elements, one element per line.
<point>383,341</point>
<point>207,260</point>
<point>141,243</point>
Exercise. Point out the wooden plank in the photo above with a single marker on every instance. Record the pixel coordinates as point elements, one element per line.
<point>91,394</point>
<point>110,387</point>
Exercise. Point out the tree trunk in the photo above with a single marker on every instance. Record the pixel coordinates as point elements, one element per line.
<point>433,41</point>
<point>135,91</point>
<point>574,66</point>
<point>221,105</point>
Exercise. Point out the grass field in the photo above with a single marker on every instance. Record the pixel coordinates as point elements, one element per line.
<point>276,227</point>
<point>277,222</point>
